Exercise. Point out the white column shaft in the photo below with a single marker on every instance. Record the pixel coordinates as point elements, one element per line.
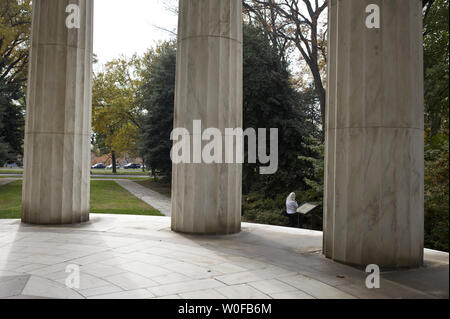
<point>206,198</point>
<point>58,122</point>
<point>374,200</point>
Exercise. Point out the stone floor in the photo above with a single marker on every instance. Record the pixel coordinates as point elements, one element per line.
<point>139,257</point>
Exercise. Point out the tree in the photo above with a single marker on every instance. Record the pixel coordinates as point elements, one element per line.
<point>299,24</point>
<point>271,101</point>
<point>157,98</point>
<point>437,192</point>
<point>436,65</point>
<point>11,121</point>
<point>4,152</point>
<point>116,119</point>
<point>15,21</point>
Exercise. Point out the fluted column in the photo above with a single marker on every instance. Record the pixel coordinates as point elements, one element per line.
<point>57,134</point>
<point>206,198</point>
<point>374,205</point>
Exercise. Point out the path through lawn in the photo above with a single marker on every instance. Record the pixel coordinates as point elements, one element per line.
<point>107,197</point>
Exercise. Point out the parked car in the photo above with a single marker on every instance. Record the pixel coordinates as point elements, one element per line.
<point>12,165</point>
<point>99,166</point>
<point>110,166</point>
<point>132,166</point>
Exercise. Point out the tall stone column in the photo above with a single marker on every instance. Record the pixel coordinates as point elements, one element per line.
<point>206,198</point>
<point>58,122</point>
<point>374,188</point>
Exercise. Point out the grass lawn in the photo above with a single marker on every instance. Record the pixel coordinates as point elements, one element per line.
<point>107,197</point>
<point>157,186</point>
<point>10,200</point>
<point>11,171</point>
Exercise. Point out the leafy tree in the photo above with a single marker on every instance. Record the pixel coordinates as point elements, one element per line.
<point>436,60</point>
<point>11,121</point>
<point>436,66</point>
<point>437,192</point>
<point>15,21</point>
<point>270,101</point>
<point>4,152</point>
<point>116,114</point>
<point>297,24</point>
<point>157,98</point>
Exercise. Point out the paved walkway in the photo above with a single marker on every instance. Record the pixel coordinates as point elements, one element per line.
<point>139,257</point>
<point>154,199</point>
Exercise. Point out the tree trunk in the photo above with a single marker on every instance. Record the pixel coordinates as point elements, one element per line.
<point>113,156</point>
<point>323,101</point>
<point>321,94</point>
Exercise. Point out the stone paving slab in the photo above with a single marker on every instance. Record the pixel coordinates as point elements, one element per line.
<point>154,199</point>
<point>139,257</point>
<point>12,285</point>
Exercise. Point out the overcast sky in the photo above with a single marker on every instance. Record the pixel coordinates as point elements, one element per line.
<point>128,26</point>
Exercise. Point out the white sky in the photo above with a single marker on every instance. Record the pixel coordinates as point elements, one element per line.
<point>127,26</point>
<point>124,27</point>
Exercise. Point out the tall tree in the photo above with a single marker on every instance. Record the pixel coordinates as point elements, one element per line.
<point>297,23</point>
<point>436,67</point>
<point>11,121</point>
<point>271,101</point>
<point>116,116</point>
<point>15,24</point>
<point>436,60</point>
<point>157,98</point>
<point>15,21</point>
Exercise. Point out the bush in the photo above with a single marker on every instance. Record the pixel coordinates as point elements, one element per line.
<point>257,208</point>
<point>437,192</point>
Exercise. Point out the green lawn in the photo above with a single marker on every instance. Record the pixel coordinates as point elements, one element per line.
<point>10,200</point>
<point>11,171</point>
<point>157,186</point>
<point>107,197</point>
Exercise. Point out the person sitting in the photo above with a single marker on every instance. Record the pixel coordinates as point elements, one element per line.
<point>291,209</point>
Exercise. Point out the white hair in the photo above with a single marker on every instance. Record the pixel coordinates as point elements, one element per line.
<point>291,197</point>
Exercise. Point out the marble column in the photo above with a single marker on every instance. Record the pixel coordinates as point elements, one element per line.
<point>57,132</point>
<point>206,198</point>
<point>374,188</point>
